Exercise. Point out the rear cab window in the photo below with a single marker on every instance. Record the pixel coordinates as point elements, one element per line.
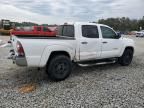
<point>66,30</point>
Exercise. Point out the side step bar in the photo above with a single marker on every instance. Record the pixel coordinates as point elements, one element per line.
<point>99,62</point>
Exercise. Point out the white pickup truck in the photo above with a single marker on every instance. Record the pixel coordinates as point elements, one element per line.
<point>140,33</point>
<point>82,43</point>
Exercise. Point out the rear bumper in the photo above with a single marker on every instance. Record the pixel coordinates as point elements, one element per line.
<point>20,61</point>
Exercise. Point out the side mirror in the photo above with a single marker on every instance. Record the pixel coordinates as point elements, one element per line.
<point>118,35</point>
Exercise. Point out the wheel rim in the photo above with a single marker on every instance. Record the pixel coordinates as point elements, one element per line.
<point>61,68</point>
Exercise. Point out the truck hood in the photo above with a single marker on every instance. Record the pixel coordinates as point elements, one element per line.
<point>128,40</point>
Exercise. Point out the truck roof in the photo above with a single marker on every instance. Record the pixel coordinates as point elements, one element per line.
<point>83,23</point>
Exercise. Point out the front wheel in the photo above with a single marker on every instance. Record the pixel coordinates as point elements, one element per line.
<point>126,58</point>
<point>59,68</point>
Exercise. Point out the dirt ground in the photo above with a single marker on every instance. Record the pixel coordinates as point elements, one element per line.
<point>105,86</point>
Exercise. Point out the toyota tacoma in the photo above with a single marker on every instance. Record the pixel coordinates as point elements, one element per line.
<point>80,42</point>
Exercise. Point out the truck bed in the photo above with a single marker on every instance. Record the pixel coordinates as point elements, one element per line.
<point>38,48</point>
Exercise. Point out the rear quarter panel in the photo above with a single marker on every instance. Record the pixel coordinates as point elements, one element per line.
<point>69,48</point>
<point>37,51</point>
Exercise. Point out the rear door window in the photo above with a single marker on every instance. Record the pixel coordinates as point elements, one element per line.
<point>90,31</point>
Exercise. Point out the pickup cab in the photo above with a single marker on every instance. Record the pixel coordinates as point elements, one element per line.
<point>33,31</point>
<point>81,43</point>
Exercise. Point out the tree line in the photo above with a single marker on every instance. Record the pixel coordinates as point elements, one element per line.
<point>23,24</point>
<point>124,24</point>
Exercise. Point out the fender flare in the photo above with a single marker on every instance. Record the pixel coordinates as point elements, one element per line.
<point>121,53</point>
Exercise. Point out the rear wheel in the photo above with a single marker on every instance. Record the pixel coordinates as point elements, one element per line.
<point>126,58</point>
<point>59,68</point>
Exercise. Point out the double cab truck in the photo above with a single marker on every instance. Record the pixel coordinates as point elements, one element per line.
<point>34,31</point>
<point>81,43</point>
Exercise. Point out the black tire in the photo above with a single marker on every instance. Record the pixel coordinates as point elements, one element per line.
<point>126,58</point>
<point>59,68</point>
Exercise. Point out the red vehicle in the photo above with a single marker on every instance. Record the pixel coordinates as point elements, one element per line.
<point>33,31</point>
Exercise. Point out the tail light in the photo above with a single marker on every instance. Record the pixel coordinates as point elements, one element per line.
<point>20,49</point>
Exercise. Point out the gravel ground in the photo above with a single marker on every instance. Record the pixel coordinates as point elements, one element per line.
<point>105,86</point>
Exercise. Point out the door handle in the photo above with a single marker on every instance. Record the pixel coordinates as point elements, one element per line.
<point>84,42</point>
<point>104,42</point>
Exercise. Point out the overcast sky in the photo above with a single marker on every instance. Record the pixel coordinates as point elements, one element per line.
<point>59,11</point>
